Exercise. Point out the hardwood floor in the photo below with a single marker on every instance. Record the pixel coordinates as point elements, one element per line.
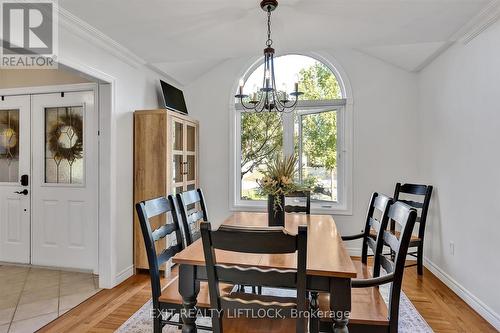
<point>441,308</point>
<point>107,310</point>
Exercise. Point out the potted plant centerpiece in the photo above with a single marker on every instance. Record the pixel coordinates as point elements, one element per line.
<point>278,181</point>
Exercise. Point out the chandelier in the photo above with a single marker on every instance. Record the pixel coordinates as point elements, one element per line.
<point>269,98</point>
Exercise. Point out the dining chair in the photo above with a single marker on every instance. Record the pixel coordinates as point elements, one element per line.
<point>166,300</point>
<point>256,240</point>
<point>424,193</point>
<point>376,220</point>
<point>297,195</point>
<point>372,237</point>
<point>369,312</point>
<point>193,210</point>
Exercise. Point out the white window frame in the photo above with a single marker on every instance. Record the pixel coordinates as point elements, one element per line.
<point>343,205</point>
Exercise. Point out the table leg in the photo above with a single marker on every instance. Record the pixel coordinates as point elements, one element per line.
<point>189,288</point>
<point>314,321</point>
<point>340,303</point>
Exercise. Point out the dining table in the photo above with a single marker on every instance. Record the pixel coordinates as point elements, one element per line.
<point>329,266</point>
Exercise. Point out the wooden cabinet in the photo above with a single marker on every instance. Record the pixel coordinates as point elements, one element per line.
<point>165,162</point>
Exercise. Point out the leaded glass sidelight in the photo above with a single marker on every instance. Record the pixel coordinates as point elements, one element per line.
<point>9,146</point>
<point>64,149</point>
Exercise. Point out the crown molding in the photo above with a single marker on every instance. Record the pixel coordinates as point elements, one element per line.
<point>479,23</point>
<point>84,30</point>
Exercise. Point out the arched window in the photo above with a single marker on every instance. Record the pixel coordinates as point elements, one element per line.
<point>315,131</point>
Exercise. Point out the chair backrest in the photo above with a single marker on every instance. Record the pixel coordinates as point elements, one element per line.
<point>192,210</point>
<point>424,192</point>
<point>299,208</point>
<point>151,213</point>
<point>377,220</point>
<point>404,216</point>
<point>255,240</point>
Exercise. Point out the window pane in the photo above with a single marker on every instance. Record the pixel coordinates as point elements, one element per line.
<point>261,140</point>
<point>9,146</point>
<point>318,155</point>
<point>64,145</point>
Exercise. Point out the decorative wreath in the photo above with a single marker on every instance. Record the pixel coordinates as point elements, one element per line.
<point>9,138</point>
<point>71,126</point>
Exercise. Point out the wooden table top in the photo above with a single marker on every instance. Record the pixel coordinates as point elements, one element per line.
<point>326,253</point>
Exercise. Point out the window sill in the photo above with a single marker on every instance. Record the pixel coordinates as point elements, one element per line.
<point>262,208</point>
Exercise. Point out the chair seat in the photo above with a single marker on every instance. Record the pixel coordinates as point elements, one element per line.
<point>170,294</point>
<point>368,306</point>
<point>414,241</point>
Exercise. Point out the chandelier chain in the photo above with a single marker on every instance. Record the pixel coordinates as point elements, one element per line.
<point>269,41</point>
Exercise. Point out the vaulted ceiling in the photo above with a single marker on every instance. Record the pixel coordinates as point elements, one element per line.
<point>186,38</point>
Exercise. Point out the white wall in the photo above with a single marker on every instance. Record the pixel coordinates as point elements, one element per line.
<point>459,118</point>
<point>135,87</point>
<point>384,130</point>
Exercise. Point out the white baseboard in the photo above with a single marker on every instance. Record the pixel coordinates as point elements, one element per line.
<point>354,251</point>
<point>124,274</point>
<point>484,311</point>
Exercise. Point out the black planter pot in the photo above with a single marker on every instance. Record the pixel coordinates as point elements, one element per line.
<point>276,217</point>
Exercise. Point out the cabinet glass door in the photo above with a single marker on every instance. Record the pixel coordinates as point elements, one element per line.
<point>191,153</point>
<point>178,163</point>
<point>190,138</point>
<point>178,135</point>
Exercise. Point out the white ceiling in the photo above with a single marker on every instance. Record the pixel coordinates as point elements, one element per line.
<point>186,38</point>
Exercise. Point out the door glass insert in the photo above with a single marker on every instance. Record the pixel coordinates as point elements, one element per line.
<point>191,138</point>
<point>9,146</point>
<point>178,135</point>
<point>64,150</point>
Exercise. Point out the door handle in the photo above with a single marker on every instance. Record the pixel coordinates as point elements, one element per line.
<point>24,192</point>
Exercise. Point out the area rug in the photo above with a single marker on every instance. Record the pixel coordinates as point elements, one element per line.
<point>410,321</point>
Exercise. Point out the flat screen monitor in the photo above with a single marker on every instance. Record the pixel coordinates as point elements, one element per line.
<point>173,98</point>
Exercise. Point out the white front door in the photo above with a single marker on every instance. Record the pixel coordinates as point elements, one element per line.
<point>64,180</point>
<point>14,165</point>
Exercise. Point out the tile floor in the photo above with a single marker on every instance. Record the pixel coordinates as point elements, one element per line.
<point>32,297</point>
